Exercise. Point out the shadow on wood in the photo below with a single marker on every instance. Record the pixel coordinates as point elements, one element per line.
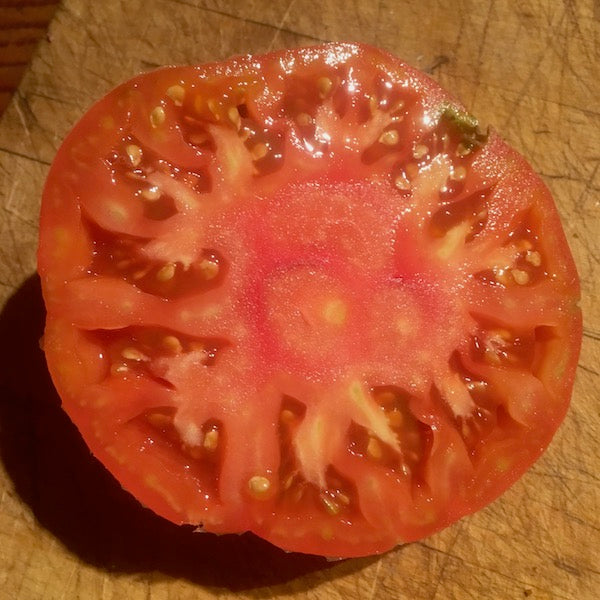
<point>75,498</point>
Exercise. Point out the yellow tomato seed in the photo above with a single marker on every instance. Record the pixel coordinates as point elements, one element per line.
<point>157,116</point>
<point>177,94</point>
<point>420,151</point>
<point>374,449</point>
<point>325,86</point>
<point>211,440</point>
<point>533,258</point>
<point>304,119</point>
<point>151,194</point>
<point>134,154</point>
<point>389,137</point>
<point>521,277</point>
<point>130,353</point>
<point>259,151</point>
<point>166,273</point>
<point>331,506</point>
<point>209,268</point>
<point>172,344</point>
<point>259,486</point>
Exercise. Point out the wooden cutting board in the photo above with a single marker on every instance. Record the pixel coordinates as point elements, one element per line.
<point>68,531</point>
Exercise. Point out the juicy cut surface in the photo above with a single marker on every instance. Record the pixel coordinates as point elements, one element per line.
<point>307,296</point>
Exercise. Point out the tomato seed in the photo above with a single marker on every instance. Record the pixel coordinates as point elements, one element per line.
<point>141,273</point>
<point>166,273</point>
<point>151,194</point>
<point>411,170</point>
<point>118,369</point>
<point>330,505</point>
<point>287,416</point>
<point>325,85</point>
<point>521,277</point>
<point>172,344</point>
<point>177,94</point>
<point>459,173</point>
<point>395,418</point>
<point>159,420</point>
<point>533,258</point>
<point>234,116</point>
<point>420,151</point>
<point>402,183</point>
<point>259,151</point>
<point>211,440</point>
<point>134,154</point>
<point>462,150</point>
<point>374,449</point>
<point>157,116</point>
<point>524,244</point>
<point>343,498</point>
<point>124,264</point>
<point>130,353</point>
<point>304,119</point>
<point>209,268</point>
<point>259,486</point>
<point>389,137</point>
<point>213,106</point>
<point>287,484</point>
<point>373,105</point>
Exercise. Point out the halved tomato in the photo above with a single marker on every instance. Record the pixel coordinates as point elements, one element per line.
<point>304,295</point>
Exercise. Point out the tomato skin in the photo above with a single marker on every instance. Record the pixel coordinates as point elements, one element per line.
<point>303,295</point>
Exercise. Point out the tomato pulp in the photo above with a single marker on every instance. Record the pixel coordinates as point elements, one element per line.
<point>306,296</point>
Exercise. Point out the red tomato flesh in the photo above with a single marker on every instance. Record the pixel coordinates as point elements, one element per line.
<point>304,295</point>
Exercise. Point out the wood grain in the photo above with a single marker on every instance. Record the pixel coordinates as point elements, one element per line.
<point>68,531</point>
<point>22,24</point>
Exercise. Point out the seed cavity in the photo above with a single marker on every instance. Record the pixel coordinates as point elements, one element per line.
<point>389,137</point>
<point>157,116</point>
<point>134,153</point>
<point>177,94</point>
<point>259,486</point>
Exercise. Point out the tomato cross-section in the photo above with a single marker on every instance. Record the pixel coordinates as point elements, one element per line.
<point>304,295</point>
